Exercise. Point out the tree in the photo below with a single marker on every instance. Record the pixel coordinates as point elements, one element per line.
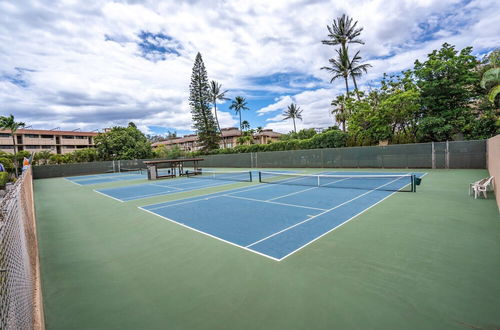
<point>123,143</point>
<point>217,95</point>
<point>42,157</point>
<point>447,81</point>
<point>303,134</point>
<point>491,82</point>
<point>9,123</point>
<point>356,69</point>
<point>293,112</point>
<point>340,110</point>
<point>368,122</point>
<point>245,125</point>
<point>239,104</point>
<point>343,32</point>
<point>199,101</point>
<point>340,68</point>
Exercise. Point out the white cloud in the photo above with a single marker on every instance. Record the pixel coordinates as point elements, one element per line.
<point>86,69</point>
<point>281,104</point>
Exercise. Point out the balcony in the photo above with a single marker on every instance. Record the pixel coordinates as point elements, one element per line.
<point>74,142</point>
<point>39,141</point>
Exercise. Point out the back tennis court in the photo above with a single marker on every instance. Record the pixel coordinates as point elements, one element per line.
<point>286,214</point>
<point>167,187</point>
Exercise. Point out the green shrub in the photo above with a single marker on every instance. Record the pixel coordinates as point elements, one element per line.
<point>7,164</point>
<point>4,178</point>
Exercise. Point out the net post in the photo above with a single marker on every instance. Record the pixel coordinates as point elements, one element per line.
<point>251,179</point>
<point>260,176</point>
<point>413,185</point>
<point>318,180</point>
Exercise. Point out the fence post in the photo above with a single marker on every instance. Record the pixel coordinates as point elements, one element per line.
<point>447,154</point>
<point>251,160</point>
<point>433,156</point>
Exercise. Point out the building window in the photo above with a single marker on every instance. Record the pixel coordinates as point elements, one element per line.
<point>4,135</point>
<point>6,147</point>
<point>32,136</point>
<point>68,136</point>
<point>47,136</point>
<point>32,147</point>
<point>80,137</point>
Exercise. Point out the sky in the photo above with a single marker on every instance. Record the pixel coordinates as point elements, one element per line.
<point>89,65</point>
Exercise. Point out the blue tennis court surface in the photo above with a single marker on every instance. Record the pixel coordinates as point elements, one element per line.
<point>85,180</point>
<point>160,187</point>
<point>276,220</point>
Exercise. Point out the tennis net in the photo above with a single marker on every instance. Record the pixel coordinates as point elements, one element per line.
<point>387,182</point>
<point>243,176</point>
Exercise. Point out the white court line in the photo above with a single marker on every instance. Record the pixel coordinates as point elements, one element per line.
<point>278,203</point>
<point>210,235</point>
<point>72,181</point>
<point>317,215</point>
<point>116,199</point>
<point>181,203</point>
<point>164,186</point>
<point>128,199</point>
<point>235,190</point>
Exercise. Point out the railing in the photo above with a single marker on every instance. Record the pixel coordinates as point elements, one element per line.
<point>20,295</point>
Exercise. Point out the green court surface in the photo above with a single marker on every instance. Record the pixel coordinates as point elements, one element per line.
<point>424,260</point>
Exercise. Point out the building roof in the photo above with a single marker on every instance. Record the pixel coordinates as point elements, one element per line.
<point>268,132</point>
<point>49,132</point>
<point>184,139</point>
<point>226,132</point>
<point>230,132</point>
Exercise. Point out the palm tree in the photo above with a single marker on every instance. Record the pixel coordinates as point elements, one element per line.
<point>245,125</point>
<point>340,67</point>
<point>9,123</point>
<point>343,32</point>
<point>491,82</point>
<point>259,129</point>
<point>239,104</point>
<point>293,111</point>
<point>356,69</point>
<point>216,94</point>
<point>340,111</point>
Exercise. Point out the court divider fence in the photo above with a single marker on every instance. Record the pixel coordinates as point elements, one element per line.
<point>20,290</point>
<point>494,164</point>
<point>452,154</point>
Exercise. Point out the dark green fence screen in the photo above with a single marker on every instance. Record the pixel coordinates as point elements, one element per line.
<point>454,154</point>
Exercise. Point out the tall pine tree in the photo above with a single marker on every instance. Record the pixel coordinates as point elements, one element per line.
<point>199,101</point>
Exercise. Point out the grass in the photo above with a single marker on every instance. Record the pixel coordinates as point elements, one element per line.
<point>425,260</point>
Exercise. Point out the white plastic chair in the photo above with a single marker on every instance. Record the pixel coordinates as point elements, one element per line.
<point>481,186</point>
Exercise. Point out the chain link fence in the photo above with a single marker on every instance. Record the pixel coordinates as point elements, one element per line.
<point>20,296</point>
<point>453,154</point>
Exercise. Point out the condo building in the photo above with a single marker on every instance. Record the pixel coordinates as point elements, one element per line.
<point>229,139</point>
<point>55,141</point>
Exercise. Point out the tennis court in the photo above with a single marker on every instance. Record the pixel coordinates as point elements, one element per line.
<point>173,186</point>
<point>291,211</point>
<point>408,260</point>
<point>85,180</point>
